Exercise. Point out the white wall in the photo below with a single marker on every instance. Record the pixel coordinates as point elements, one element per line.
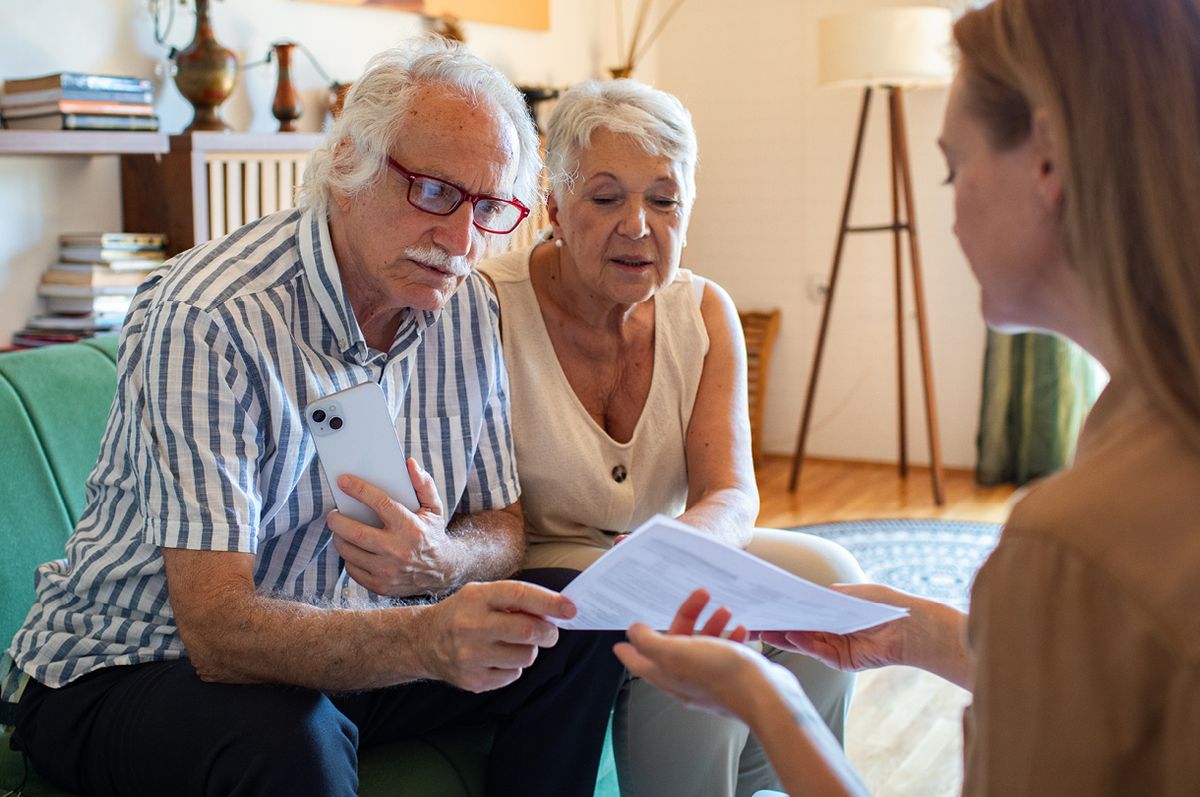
<point>775,151</point>
<point>774,157</point>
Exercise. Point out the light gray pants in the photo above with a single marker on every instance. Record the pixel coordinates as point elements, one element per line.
<point>664,748</point>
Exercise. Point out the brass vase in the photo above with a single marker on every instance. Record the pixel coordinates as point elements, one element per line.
<point>205,73</point>
<point>337,97</point>
<point>287,105</point>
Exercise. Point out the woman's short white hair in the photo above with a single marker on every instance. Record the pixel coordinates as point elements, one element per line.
<point>655,119</point>
<point>374,116</point>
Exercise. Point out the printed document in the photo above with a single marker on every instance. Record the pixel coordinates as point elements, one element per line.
<point>645,578</point>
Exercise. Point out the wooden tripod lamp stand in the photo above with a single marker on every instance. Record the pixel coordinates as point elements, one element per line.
<point>890,48</point>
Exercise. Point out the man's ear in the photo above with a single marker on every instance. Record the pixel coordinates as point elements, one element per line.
<point>343,153</point>
<point>1048,161</point>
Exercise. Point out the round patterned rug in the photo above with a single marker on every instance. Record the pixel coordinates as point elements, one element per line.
<point>934,558</point>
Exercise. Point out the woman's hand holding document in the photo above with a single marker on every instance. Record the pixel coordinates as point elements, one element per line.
<point>647,577</point>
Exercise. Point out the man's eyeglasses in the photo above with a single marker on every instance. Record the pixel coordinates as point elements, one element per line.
<point>488,213</point>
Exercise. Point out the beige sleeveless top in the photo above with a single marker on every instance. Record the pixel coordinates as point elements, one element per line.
<point>577,483</point>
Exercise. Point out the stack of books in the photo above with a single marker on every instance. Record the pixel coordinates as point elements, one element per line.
<point>78,101</point>
<point>90,288</point>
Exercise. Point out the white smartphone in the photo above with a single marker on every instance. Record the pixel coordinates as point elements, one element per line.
<point>355,435</point>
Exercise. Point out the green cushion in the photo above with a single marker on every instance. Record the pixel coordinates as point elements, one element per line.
<point>445,763</point>
<point>106,344</point>
<point>607,784</point>
<point>34,524</point>
<point>67,392</point>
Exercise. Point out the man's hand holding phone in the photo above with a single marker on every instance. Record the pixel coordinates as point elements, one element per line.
<point>412,554</point>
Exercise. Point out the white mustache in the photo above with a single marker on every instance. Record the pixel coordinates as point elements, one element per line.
<point>439,258</point>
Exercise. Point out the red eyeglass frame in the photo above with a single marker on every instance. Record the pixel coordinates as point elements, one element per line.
<point>464,196</point>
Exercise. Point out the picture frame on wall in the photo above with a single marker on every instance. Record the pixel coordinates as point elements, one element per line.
<point>530,14</point>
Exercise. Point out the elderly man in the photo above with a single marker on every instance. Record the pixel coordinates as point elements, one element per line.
<point>215,627</point>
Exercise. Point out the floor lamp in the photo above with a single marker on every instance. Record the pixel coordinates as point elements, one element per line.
<point>889,48</point>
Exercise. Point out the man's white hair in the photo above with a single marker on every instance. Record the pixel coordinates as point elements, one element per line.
<point>655,119</point>
<point>375,114</point>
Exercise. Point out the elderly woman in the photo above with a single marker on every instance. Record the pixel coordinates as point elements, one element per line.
<point>628,387</point>
<point>1073,161</point>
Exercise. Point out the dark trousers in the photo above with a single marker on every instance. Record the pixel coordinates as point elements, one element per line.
<point>155,729</point>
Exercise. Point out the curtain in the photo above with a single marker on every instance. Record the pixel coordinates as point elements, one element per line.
<point>1036,391</point>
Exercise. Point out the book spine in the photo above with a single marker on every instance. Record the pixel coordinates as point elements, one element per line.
<point>21,99</point>
<point>78,106</point>
<point>108,95</point>
<point>80,80</point>
<point>96,107</point>
<point>75,121</point>
<point>115,240</point>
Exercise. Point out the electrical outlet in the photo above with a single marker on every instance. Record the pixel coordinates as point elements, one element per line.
<point>816,288</point>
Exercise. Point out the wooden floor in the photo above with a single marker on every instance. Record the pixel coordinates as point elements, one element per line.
<point>904,733</point>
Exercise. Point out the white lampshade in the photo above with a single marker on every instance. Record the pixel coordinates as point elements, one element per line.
<point>904,46</point>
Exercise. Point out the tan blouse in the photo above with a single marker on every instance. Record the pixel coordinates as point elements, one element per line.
<point>578,485</point>
<point>1084,631</point>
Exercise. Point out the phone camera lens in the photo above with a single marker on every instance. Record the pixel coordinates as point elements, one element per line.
<point>335,423</point>
<point>318,416</point>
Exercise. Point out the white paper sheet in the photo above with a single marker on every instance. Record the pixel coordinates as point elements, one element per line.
<point>645,578</point>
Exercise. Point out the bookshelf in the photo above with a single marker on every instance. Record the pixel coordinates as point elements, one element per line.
<point>81,142</point>
<point>193,187</point>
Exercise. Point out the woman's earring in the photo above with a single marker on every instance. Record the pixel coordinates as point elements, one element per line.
<point>684,244</point>
<point>558,242</point>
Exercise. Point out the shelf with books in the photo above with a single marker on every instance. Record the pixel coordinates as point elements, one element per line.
<point>79,101</point>
<point>82,142</point>
<point>90,288</point>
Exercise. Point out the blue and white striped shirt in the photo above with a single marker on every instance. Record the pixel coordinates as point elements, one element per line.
<point>206,447</point>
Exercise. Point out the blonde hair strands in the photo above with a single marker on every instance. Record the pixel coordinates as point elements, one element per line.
<point>1120,82</point>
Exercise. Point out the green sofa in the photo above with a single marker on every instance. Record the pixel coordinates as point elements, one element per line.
<point>54,403</point>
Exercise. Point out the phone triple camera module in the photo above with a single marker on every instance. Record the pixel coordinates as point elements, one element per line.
<point>335,423</point>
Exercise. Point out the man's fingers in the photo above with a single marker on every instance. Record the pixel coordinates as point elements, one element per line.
<point>518,628</point>
<point>689,613</point>
<point>364,577</point>
<point>355,540</point>
<point>739,634</point>
<point>390,511</point>
<point>488,679</point>
<point>425,487</point>
<point>508,655</point>
<point>518,596</point>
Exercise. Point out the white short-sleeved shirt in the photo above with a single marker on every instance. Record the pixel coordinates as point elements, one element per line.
<point>206,447</point>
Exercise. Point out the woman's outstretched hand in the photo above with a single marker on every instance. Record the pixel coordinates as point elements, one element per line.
<point>703,668</point>
<point>930,637</point>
